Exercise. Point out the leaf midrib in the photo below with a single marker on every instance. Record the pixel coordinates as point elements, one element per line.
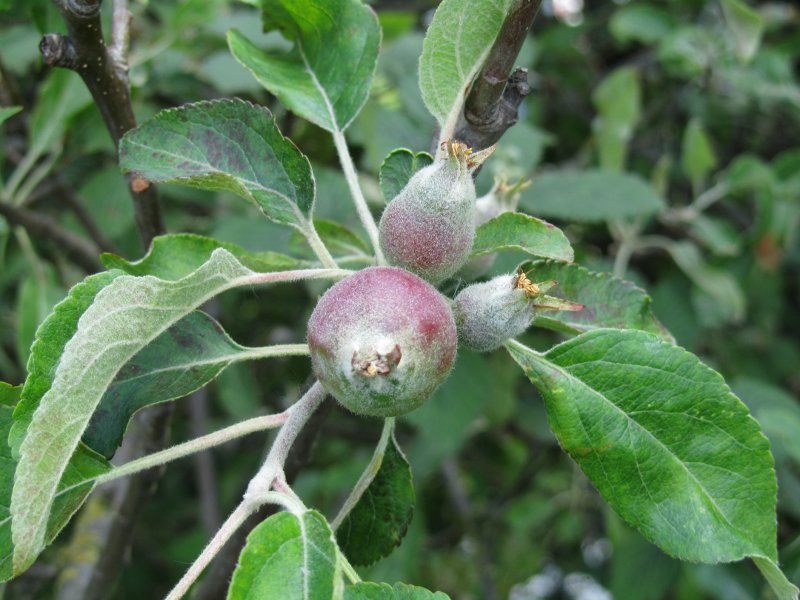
<point>669,452</point>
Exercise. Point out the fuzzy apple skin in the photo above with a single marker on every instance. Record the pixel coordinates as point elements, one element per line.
<point>489,313</point>
<point>429,227</point>
<point>382,341</point>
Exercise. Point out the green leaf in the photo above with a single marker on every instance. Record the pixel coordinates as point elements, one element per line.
<point>747,27</point>
<point>718,235</point>
<point>517,231</point>
<point>384,591</point>
<point>608,302</point>
<point>456,45</point>
<point>719,285</point>
<point>224,145</point>
<point>379,521</point>
<point>665,441</point>
<point>176,255</point>
<point>51,337</point>
<point>748,172</point>
<point>289,557</point>
<point>591,195</point>
<point>36,296</point>
<point>697,154</point>
<point>327,75</point>
<point>61,97</point>
<point>618,100</point>
<point>397,169</point>
<point>7,112</point>
<point>181,360</point>
<point>643,23</point>
<point>338,239</point>
<point>128,314</point>
<point>83,466</point>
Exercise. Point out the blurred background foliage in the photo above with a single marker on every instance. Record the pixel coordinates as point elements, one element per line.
<point>663,136</point>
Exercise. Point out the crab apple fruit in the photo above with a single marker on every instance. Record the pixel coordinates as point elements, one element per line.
<point>381,341</point>
<point>429,227</point>
<point>489,313</point>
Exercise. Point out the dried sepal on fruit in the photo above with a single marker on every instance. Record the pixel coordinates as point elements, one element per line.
<point>489,313</point>
<point>429,227</point>
<point>382,341</point>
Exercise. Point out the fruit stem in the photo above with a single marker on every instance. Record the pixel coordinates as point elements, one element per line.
<point>358,196</point>
<point>368,475</point>
<point>234,521</point>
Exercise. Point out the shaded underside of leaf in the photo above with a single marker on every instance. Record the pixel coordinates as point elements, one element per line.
<point>179,361</point>
<point>224,145</point>
<point>288,556</point>
<point>380,519</point>
<point>608,302</point>
<point>666,442</point>
<point>517,231</point>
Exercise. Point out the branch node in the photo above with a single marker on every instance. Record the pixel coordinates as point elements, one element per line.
<point>58,51</point>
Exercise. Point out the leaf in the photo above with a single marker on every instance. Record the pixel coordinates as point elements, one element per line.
<point>747,26</point>
<point>618,100</point>
<point>608,301</point>
<point>719,285</point>
<point>665,441</point>
<point>591,195</point>
<point>378,522</point>
<point>643,23</point>
<point>176,255</point>
<point>384,591</point>
<point>327,75</point>
<point>51,337</point>
<point>7,112</point>
<point>289,557</point>
<point>224,145</point>
<point>181,360</point>
<point>456,45</point>
<point>125,316</point>
<point>697,154</point>
<point>82,467</point>
<point>397,169</point>
<point>517,231</point>
<point>338,239</point>
<point>36,296</point>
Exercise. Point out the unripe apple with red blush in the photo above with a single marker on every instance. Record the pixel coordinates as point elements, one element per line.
<point>381,341</point>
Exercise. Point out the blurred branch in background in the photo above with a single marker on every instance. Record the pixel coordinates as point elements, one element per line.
<point>104,70</point>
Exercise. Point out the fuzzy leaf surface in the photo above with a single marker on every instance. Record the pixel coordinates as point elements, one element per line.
<point>125,316</point>
<point>176,255</point>
<point>380,519</point>
<point>608,302</point>
<point>456,45</point>
<point>181,360</point>
<point>327,75</point>
<point>591,195</point>
<point>517,231</point>
<point>224,145</point>
<point>384,591</point>
<point>665,441</point>
<point>82,467</point>
<point>288,556</point>
<point>398,167</point>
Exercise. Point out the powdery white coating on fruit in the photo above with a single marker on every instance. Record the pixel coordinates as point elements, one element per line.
<point>382,341</point>
<point>430,226</point>
<point>489,313</point>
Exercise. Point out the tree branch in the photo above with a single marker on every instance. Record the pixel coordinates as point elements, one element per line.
<point>85,52</point>
<point>492,105</point>
<point>104,72</point>
<point>82,252</point>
